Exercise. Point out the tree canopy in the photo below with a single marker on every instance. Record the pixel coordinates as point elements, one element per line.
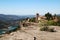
<point>48,16</point>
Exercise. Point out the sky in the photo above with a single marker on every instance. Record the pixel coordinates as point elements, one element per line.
<point>29,7</point>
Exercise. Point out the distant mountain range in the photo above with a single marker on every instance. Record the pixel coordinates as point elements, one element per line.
<point>13,17</point>
<point>58,14</point>
<point>16,17</point>
<point>8,19</point>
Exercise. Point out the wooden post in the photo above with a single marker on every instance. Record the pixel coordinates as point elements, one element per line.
<point>34,38</point>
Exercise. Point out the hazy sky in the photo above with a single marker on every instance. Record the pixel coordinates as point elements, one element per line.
<point>29,7</point>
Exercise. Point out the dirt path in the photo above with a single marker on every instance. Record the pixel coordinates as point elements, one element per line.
<point>32,31</point>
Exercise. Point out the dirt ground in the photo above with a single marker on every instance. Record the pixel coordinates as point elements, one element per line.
<point>28,33</point>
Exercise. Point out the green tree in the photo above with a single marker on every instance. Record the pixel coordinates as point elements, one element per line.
<point>48,16</point>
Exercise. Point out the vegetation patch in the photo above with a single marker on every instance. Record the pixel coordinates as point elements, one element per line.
<point>46,28</point>
<point>32,20</point>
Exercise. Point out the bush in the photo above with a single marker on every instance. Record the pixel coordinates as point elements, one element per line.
<point>44,29</point>
<point>32,20</point>
<point>47,29</point>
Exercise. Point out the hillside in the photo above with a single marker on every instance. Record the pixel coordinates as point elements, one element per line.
<point>28,33</point>
<point>11,19</point>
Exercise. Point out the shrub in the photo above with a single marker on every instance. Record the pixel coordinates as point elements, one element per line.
<point>32,20</point>
<point>44,29</point>
<point>47,29</point>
